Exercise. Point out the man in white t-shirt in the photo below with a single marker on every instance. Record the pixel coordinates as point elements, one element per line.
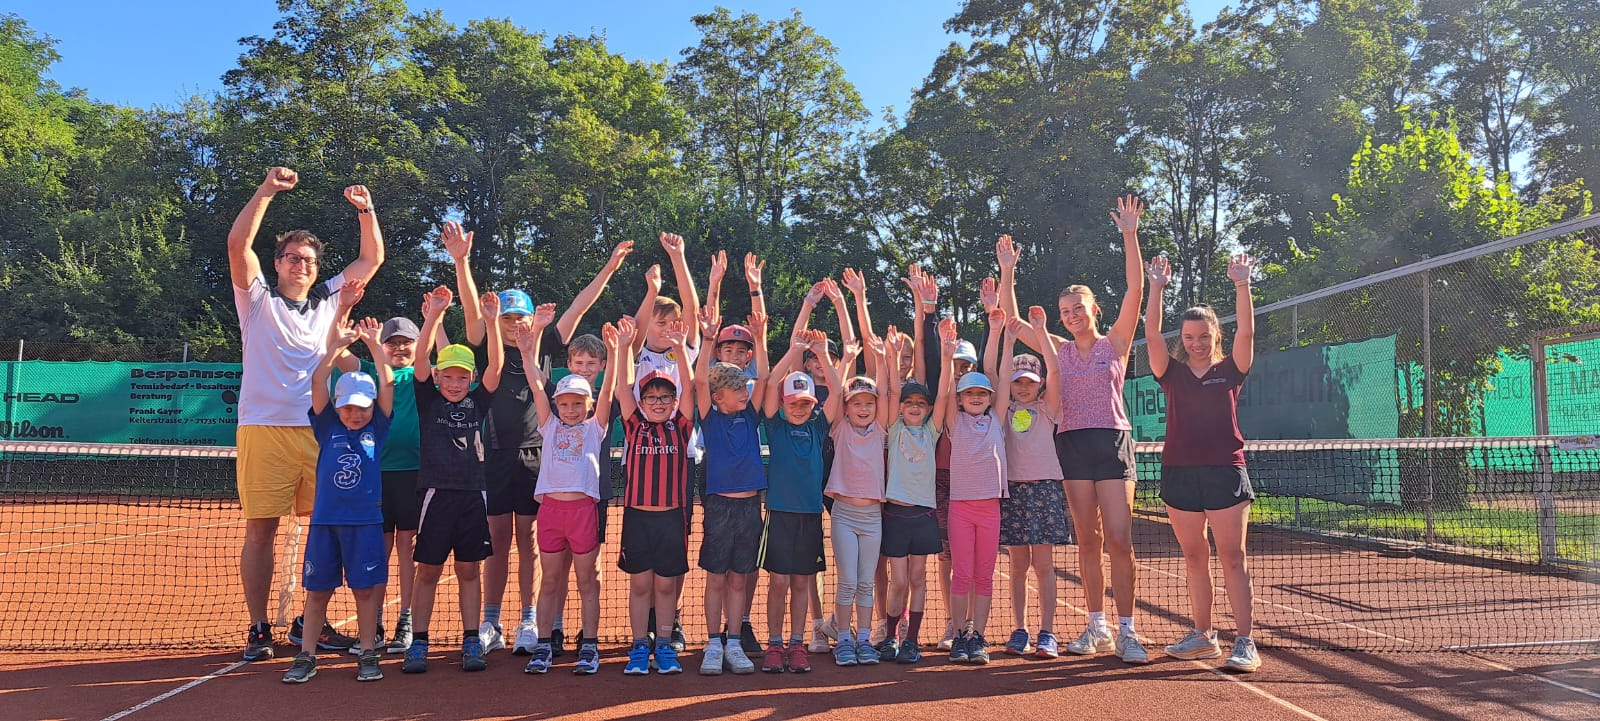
<point>284,329</point>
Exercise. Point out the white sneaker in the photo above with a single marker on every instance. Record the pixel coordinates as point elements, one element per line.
<point>1129,649</point>
<point>711,663</point>
<point>1196,645</point>
<point>527,639</point>
<point>1094,639</point>
<point>491,638</point>
<point>948,641</point>
<point>1244,657</point>
<point>737,660</point>
<point>819,640</point>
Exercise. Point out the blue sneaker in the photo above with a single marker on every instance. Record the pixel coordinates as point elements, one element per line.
<point>472,655</point>
<point>540,663</point>
<point>1046,647</point>
<point>866,655</point>
<point>844,654</point>
<point>1018,644</point>
<point>667,658</point>
<point>908,652</point>
<point>416,658</point>
<point>638,659</point>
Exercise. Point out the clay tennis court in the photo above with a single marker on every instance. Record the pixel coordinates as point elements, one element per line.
<point>101,555</point>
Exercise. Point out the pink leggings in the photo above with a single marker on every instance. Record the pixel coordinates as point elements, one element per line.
<point>974,544</point>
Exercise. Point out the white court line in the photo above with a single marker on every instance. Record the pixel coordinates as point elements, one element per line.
<point>96,523</point>
<point>119,538</point>
<point>1292,609</point>
<point>1284,703</point>
<point>174,692</point>
<point>1537,677</point>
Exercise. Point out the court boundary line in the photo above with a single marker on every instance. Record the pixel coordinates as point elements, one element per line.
<point>123,537</point>
<point>1285,703</point>
<point>1534,676</point>
<point>147,703</point>
<point>96,523</point>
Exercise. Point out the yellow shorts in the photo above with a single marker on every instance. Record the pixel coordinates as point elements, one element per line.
<point>277,470</point>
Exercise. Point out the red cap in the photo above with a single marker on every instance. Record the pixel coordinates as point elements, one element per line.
<point>736,334</point>
<point>654,376</point>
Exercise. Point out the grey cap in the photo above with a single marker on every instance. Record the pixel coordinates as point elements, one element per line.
<point>400,326</point>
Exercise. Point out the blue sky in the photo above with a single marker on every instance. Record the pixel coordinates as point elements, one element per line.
<point>162,51</point>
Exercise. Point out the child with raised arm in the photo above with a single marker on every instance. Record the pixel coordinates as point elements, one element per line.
<point>791,547</point>
<point>910,529</point>
<point>734,479</point>
<point>856,486</point>
<point>345,540</point>
<point>454,518</point>
<point>655,551</point>
<point>977,483</point>
<point>1033,518</point>
<point>573,427</point>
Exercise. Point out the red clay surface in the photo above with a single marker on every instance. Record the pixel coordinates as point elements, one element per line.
<point>1328,685</point>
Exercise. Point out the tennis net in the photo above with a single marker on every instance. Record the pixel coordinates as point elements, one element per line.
<point>1379,545</point>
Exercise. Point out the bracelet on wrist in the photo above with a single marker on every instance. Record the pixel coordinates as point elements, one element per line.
<point>755,293</point>
<point>364,211</point>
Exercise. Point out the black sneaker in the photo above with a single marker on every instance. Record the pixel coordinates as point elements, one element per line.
<point>558,643</point>
<point>888,650</point>
<point>258,643</point>
<point>679,641</point>
<point>379,643</point>
<point>748,641</point>
<point>328,640</point>
<point>303,668</point>
<point>909,652</point>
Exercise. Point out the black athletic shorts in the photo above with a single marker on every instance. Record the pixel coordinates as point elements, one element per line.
<point>910,531</point>
<point>511,475</point>
<point>402,504</point>
<point>732,534</point>
<point>1096,454</point>
<point>1205,488</point>
<point>792,544</point>
<point>654,541</point>
<point>452,522</point>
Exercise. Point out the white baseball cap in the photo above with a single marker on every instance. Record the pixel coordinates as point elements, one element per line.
<point>574,385</point>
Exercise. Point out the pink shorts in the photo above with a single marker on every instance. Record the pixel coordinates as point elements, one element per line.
<point>567,525</point>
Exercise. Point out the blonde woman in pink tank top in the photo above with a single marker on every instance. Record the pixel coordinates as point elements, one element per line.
<point>1095,445</point>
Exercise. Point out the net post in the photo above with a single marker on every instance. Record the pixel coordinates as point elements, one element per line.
<point>1427,405</point>
<point>19,350</point>
<point>289,558</point>
<point>1294,341</point>
<point>1544,483</point>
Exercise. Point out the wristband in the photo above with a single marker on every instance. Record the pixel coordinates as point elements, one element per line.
<point>364,211</point>
<point>755,293</point>
<point>929,303</point>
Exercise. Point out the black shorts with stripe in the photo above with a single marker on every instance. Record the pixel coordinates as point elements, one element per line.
<point>452,522</point>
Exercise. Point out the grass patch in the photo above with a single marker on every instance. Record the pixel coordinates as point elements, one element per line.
<point>1510,531</point>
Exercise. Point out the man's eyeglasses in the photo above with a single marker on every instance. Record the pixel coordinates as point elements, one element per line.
<point>304,260</point>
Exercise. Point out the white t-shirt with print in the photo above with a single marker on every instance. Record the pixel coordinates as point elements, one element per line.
<point>282,347</point>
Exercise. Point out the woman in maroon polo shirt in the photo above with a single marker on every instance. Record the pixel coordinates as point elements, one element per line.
<point>1203,477</point>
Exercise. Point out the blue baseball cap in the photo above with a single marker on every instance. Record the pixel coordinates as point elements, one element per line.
<point>355,389</point>
<point>515,302</point>
<point>974,380</point>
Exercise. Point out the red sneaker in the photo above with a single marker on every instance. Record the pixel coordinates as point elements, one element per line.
<point>772,662</point>
<point>798,661</point>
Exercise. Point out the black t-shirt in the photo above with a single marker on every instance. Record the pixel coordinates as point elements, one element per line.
<point>452,438</point>
<point>513,419</point>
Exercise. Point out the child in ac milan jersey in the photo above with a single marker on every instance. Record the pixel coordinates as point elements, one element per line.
<point>655,553</point>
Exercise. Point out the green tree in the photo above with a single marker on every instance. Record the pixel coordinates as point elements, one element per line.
<point>1567,125</point>
<point>1485,71</point>
<point>1422,195</point>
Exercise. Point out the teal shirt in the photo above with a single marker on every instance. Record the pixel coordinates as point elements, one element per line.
<point>403,451</point>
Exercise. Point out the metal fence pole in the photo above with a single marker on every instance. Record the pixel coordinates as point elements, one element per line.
<point>1294,341</point>
<point>1543,483</point>
<point>1427,403</point>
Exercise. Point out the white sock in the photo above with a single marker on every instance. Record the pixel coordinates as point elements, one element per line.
<point>1097,619</point>
<point>844,637</point>
<point>1125,623</point>
<point>714,642</point>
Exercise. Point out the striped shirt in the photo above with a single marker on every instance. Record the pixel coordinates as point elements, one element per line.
<point>977,457</point>
<point>658,460</point>
<point>1091,390</point>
